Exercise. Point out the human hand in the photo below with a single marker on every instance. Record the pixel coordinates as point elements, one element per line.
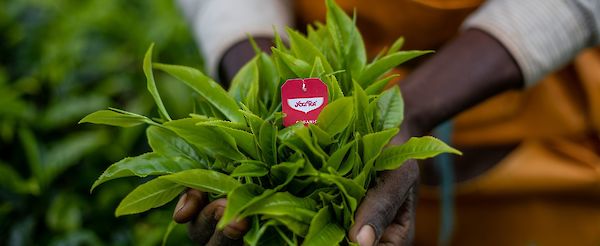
<point>202,217</point>
<point>386,216</point>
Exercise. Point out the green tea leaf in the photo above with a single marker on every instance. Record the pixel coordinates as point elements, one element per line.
<point>351,190</point>
<point>338,156</point>
<point>203,138</point>
<point>323,230</point>
<point>207,88</point>
<point>306,51</point>
<point>142,166</point>
<point>167,143</point>
<point>361,104</point>
<point>323,138</point>
<point>112,118</point>
<point>255,234</point>
<point>267,140</point>
<point>245,140</point>
<point>396,46</point>
<point>391,109</point>
<point>152,194</point>
<point>373,143</point>
<point>414,148</point>
<point>172,225</point>
<point>295,226</point>
<point>383,65</point>
<point>283,203</point>
<point>249,170</point>
<point>300,68</point>
<point>336,116</point>
<point>204,180</point>
<point>243,79</point>
<point>239,199</point>
<point>152,85</point>
<point>284,172</point>
<point>377,87</point>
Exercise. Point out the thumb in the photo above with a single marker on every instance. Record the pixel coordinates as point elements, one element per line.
<point>379,207</point>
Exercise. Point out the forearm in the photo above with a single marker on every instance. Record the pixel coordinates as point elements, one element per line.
<point>469,69</point>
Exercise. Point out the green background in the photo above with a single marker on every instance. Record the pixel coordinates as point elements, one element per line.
<point>59,61</point>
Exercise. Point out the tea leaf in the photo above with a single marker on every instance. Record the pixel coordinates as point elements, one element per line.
<point>323,230</point>
<point>152,85</point>
<point>203,138</point>
<point>283,203</point>
<point>243,79</point>
<point>300,68</point>
<point>391,109</point>
<point>306,51</point>
<point>295,226</point>
<point>267,140</point>
<point>206,87</point>
<point>372,145</point>
<point>152,194</point>
<point>239,199</point>
<point>142,166</point>
<point>167,143</point>
<point>336,116</point>
<point>396,46</point>
<point>245,140</point>
<point>351,190</point>
<point>204,180</point>
<point>361,103</point>
<point>337,157</point>
<point>381,66</point>
<point>414,148</point>
<point>249,170</point>
<point>112,118</point>
<point>377,87</point>
<point>253,236</point>
<point>284,172</point>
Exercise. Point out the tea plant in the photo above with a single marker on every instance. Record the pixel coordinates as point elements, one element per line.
<point>299,184</point>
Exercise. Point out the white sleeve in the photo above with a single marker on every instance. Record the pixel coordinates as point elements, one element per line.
<point>219,24</point>
<point>541,35</point>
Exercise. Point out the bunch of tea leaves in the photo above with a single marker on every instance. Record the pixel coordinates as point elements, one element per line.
<point>296,185</point>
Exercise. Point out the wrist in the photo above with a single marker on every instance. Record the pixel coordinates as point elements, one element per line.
<point>238,55</point>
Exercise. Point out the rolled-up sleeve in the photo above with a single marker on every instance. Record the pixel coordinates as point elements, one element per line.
<point>219,24</point>
<point>541,35</point>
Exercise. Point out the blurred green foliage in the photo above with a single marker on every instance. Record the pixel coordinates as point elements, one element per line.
<point>60,60</point>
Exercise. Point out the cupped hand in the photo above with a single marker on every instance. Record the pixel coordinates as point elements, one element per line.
<point>202,217</point>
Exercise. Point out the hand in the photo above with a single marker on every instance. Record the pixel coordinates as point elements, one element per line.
<point>386,216</point>
<point>202,218</point>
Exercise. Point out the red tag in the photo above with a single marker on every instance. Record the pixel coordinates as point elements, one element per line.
<point>302,100</point>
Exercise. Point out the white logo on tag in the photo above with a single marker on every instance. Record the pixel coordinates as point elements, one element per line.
<point>305,104</point>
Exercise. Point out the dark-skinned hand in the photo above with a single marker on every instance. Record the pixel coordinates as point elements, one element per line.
<point>468,70</point>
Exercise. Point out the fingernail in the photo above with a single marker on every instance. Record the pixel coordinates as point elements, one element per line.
<point>219,212</point>
<point>181,203</point>
<point>365,236</point>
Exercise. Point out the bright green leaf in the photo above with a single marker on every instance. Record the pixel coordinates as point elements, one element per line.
<point>414,148</point>
<point>206,87</point>
<point>152,194</point>
<point>204,180</point>
<point>151,84</point>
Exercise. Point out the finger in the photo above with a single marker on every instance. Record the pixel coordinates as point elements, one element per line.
<point>189,206</point>
<point>380,205</point>
<point>402,229</point>
<point>203,229</point>
<point>231,235</point>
